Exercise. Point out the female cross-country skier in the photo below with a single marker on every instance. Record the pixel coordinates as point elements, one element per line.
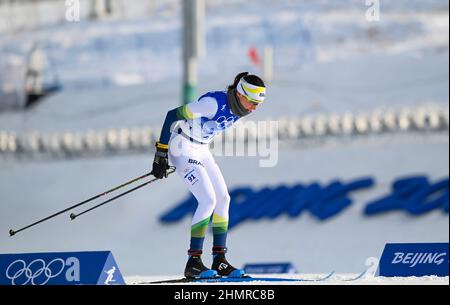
<point>185,145</point>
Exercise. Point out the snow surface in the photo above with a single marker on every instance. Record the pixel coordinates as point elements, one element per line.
<point>407,67</point>
<point>336,279</point>
<point>129,226</point>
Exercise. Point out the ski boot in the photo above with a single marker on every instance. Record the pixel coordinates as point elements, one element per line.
<point>222,266</point>
<point>196,269</point>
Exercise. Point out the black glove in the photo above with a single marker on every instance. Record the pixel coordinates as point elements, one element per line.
<point>161,161</point>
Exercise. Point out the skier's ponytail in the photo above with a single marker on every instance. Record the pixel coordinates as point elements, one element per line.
<point>236,80</point>
<point>250,78</point>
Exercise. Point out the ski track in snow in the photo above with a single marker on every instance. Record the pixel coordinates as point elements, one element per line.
<point>342,77</point>
<point>335,279</point>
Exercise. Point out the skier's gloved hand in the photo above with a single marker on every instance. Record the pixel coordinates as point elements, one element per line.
<point>161,161</point>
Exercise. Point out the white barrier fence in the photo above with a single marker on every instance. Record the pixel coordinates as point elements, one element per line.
<point>126,140</point>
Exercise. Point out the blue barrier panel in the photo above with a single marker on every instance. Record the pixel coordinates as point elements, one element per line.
<point>414,260</point>
<point>267,268</point>
<point>65,268</point>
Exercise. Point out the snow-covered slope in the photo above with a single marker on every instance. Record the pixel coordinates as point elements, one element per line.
<point>347,78</point>
<point>141,51</point>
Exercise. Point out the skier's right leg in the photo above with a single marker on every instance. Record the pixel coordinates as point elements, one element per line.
<point>196,178</point>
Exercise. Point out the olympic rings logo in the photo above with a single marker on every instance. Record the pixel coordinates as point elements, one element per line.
<point>37,272</point>
<point>213,127</point>
<point>224,123</point>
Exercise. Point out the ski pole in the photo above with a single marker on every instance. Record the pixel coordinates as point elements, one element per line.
<point>13,232</point>
<point>73,216</point>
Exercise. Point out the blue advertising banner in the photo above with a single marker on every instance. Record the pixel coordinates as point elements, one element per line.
<point>415,259</point>
<point>268,268</point>
<point>65,268</point>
